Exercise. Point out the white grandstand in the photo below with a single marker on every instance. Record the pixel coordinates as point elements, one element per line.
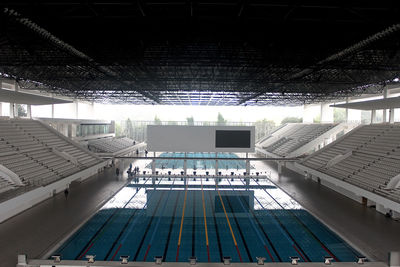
<point>111,145</point>
<point>292,139</point>
<point>33,154</point>
<point>367,157</point>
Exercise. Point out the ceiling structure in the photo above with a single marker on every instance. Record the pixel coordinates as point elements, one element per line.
<point>28,98</point>
<point>375,104</point>
<point>243,52</point>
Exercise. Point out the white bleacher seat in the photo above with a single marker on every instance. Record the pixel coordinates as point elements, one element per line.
<point>375,159</point>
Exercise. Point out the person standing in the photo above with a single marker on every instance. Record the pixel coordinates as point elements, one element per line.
<point>66,192</point>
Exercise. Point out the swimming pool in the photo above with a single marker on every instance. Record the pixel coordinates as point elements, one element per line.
<point>206,220</point>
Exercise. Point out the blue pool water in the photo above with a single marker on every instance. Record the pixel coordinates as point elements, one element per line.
<point>199,164</point>
<point>205,220</point>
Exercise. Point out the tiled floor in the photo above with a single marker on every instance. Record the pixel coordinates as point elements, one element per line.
<point>37,230</point>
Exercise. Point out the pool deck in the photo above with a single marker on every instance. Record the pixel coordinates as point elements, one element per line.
<point>37,230</point>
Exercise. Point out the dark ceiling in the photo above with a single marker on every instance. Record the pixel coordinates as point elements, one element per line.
<point>202,52</point>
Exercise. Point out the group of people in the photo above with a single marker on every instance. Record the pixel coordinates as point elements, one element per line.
<point>145,152</point>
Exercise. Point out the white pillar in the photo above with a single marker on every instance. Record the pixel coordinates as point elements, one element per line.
<point>373,116</point>
<point>16,88</point>
<point>308,115</point>
<point>354,115</point>
<point>153,166</point>
<point>385,95</point>
<point>326,113</point>
<point>391,115</point>
<point>29,111</point>
<point>76,109</point>
<point>11,110</point>
<point>347,110</point>
<point>279,168</point>
<point>216,163</point>
<point>394,258</point>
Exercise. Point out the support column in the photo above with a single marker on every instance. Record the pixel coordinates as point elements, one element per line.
<point>326,113</point>
<point>347,110</point>
<point>385,95</point>
<point>29,111</point>
<point>307,114</point>
<point>15,106</point>
<point>394,258</point>
<point>12,115</point>
<point>391,115</point>
<point>52,111</point>
<point>247,164</point>
<point>76,109</point>
<point>279,167</point>
<point>153,166</point>
<point>185,165</point>
<point>373,116</point>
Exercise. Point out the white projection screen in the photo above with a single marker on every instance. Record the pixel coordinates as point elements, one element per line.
<point>173,138</point>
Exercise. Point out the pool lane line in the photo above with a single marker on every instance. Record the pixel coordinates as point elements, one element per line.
<point>286,233</point>
<point>229,224</point>
<point>205,220</point>
<point>240,230</point>
<point>104,226</point>
<point>182,217</point>
<point>216,227</point>
<point>254,226</point>
<point>334,235</point>
<point>171,225</point>
<point>132,217</point>
<point>148,227</point>
<point>130,229</point>
<point>194,224</point>
<point>305,227</point>
<point>158,222</point>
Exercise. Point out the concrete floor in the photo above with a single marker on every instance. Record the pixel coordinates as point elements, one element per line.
<point>39,229</point>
